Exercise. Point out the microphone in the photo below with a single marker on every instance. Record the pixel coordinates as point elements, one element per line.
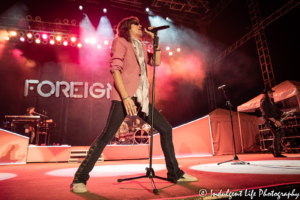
<point>158,28</point>
<point>221,87</point>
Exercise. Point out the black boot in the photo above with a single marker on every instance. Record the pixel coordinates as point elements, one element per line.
<point>278,155</point>
<point>271,149</point>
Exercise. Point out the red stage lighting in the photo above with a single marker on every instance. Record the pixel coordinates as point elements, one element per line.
<point>29,35</point>
<point>73,39</point>
<point>99,46</point>
<point>44,36</point>
<point>87,40</point>
<point>148,50</point>
<point>65,43</point>
<point>168,48</point>
<point>93,40</point>
<point>22,39</point>
<point>37,41</point>
<point>51,41</point>
<point>58,38</point>
<point>13,33</point>
<point>106,42</point>
<point>6,38</point>
<point>170,53</point>
<point>79,45</point>
<point>178,49</point>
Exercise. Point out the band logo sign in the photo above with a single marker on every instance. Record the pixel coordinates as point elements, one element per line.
<point>69,90</point>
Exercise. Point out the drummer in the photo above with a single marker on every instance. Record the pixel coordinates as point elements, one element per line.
<point>137,125</point>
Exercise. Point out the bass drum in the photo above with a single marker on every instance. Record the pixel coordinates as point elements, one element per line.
<point>141,137</point>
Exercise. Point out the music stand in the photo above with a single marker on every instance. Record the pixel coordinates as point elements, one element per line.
<point>149,170</point>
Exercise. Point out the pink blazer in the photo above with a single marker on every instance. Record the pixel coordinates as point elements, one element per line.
<point>123,57</point>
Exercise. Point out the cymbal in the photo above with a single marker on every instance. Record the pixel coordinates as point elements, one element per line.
<point>127,120</point>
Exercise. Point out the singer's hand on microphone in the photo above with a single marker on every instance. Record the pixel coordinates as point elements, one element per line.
<point>150,33</point>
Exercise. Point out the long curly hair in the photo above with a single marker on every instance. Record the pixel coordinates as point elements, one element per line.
<point>124,26</point>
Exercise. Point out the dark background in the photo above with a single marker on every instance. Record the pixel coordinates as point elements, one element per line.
<point>79,121</point>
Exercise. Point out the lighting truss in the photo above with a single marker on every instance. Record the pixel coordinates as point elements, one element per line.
<point>184,11</point>
<point>283,10</point>
<point>36,24</point>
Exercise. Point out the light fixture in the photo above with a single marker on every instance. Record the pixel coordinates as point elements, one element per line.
<point>13,33</point>
<point>93,40</point>
<point>29,35</point>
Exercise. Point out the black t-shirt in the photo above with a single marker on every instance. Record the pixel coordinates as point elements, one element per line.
<point>268,109</point>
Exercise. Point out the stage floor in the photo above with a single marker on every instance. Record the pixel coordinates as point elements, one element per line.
<point>52,180</point>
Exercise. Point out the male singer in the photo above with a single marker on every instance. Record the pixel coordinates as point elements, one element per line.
<point>128,66</point>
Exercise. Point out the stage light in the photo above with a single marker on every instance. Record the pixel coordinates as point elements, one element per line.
<point>37,41</point>
<point>29,35</point>
<point>51,41</point>
<point>37,36</point>
<point>147,9</point>
<point>79,45</point>
<point>167,18</point>
<point>65,43</point>
<point>65,38</point>
<point>106,42</point>
<point>58,38</point>
<point>44,36</point>
<point>93,40</point>
<point>86,40</point>
<point>13,33</point>
<point>22,39</point>
<point>104,10</point>
<point>6,38</point>
<point>148,50</point>
<point>178,49</point>
<point>73,39</point>
<point>99,46</point>
<point>168,48</point>
<point>51,37</point>
<point>170,53</point>
<point>80,7</point>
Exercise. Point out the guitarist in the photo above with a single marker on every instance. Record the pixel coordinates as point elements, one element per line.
<point>272,114</point>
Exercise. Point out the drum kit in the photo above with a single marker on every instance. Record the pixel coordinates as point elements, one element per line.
<point>135,135</point>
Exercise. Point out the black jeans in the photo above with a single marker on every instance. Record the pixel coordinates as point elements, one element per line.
<point>277,136</point>
<point>115,118</point>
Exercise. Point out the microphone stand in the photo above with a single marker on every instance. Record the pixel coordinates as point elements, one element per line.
<point>228,103</point>
<point>149,170</point>
<point>38,128</point>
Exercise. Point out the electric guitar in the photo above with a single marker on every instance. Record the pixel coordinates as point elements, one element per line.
<point>274,126</point>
